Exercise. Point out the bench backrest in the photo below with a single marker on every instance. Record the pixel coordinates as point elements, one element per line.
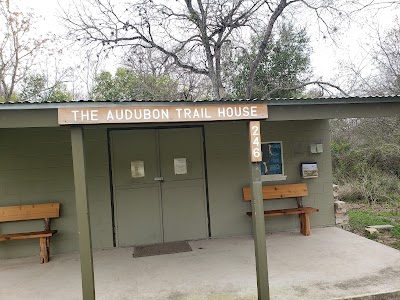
<point>29,212</point>
<point>272,192</point>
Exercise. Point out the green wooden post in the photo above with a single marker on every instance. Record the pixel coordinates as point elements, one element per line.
<point>257,208</point>
<point>82,210</point>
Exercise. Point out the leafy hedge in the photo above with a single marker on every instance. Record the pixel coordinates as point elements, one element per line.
<point>368,173</point>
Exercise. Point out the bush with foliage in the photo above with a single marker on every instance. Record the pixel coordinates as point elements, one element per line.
<point>367,172</point>
<point>127,85</point>
<point>283,67</point>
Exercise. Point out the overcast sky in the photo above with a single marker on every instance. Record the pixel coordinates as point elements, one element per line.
<point>327,54</point>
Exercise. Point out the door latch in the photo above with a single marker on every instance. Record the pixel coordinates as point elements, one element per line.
<point>159,178</point>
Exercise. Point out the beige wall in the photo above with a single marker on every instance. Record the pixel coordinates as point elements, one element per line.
<point>36,167</point>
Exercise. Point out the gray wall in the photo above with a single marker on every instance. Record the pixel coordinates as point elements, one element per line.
<point>36,167</point>
<point>98,186</point>
<point>228,171</point>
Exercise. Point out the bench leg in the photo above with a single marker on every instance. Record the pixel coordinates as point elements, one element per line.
<point>305,227</point>
<point>48,247</point>
<point>44,253</point>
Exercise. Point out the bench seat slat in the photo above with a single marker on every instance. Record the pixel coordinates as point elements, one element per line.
<point>276,192</point>
<point>27,235</point>
<point>288,211</point>
<point>29,212</point>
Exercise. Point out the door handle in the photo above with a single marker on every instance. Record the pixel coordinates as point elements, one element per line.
<point>159,178</point>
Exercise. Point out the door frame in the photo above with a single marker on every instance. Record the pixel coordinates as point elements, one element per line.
<point>111,174</point>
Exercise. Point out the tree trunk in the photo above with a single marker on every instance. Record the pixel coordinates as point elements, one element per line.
<point>215,86</point>
<point>218,73</point>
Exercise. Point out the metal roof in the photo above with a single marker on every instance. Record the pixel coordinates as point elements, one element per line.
<point>34,104</point>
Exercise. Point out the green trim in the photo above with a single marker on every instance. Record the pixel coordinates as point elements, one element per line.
<point>257,208</point>
<point>83,215</point>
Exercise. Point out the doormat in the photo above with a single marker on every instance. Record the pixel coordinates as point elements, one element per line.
<point>160,249</point>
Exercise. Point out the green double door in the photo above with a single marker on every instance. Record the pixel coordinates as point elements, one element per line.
<point>159,186</point>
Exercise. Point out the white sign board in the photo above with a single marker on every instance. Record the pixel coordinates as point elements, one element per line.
<point>162,114</point>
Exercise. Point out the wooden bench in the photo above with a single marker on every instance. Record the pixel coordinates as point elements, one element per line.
<point>276,192</point>
<point>32,212</point>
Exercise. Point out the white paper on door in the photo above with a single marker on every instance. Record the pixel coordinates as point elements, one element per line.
<point>137,168</point>
<point>180,166</point>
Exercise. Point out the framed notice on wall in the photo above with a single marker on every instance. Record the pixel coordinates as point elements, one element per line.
<point>272,166</point>
<point>309,170</point>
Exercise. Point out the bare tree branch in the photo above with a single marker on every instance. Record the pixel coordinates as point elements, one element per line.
<point>321,84</point>
<point>18,49</point>
<point>191,33</point>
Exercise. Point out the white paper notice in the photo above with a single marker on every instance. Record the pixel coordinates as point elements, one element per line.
<point>137,168</point>
<point>180,166</point>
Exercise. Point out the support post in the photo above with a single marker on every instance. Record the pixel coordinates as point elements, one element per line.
<point>82,210</point>
<point>257,208</point>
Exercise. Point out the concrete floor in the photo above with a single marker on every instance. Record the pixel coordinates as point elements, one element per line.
<point>329,264</point>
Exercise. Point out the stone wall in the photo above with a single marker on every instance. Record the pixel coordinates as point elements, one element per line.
<point>341,216</point>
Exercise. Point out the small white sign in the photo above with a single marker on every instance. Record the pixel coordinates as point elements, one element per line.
<point>180,166</point>
<point>137,168</point>
<point>316,148</point>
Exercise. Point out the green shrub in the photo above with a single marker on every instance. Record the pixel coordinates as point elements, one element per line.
<point>367,173</point>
